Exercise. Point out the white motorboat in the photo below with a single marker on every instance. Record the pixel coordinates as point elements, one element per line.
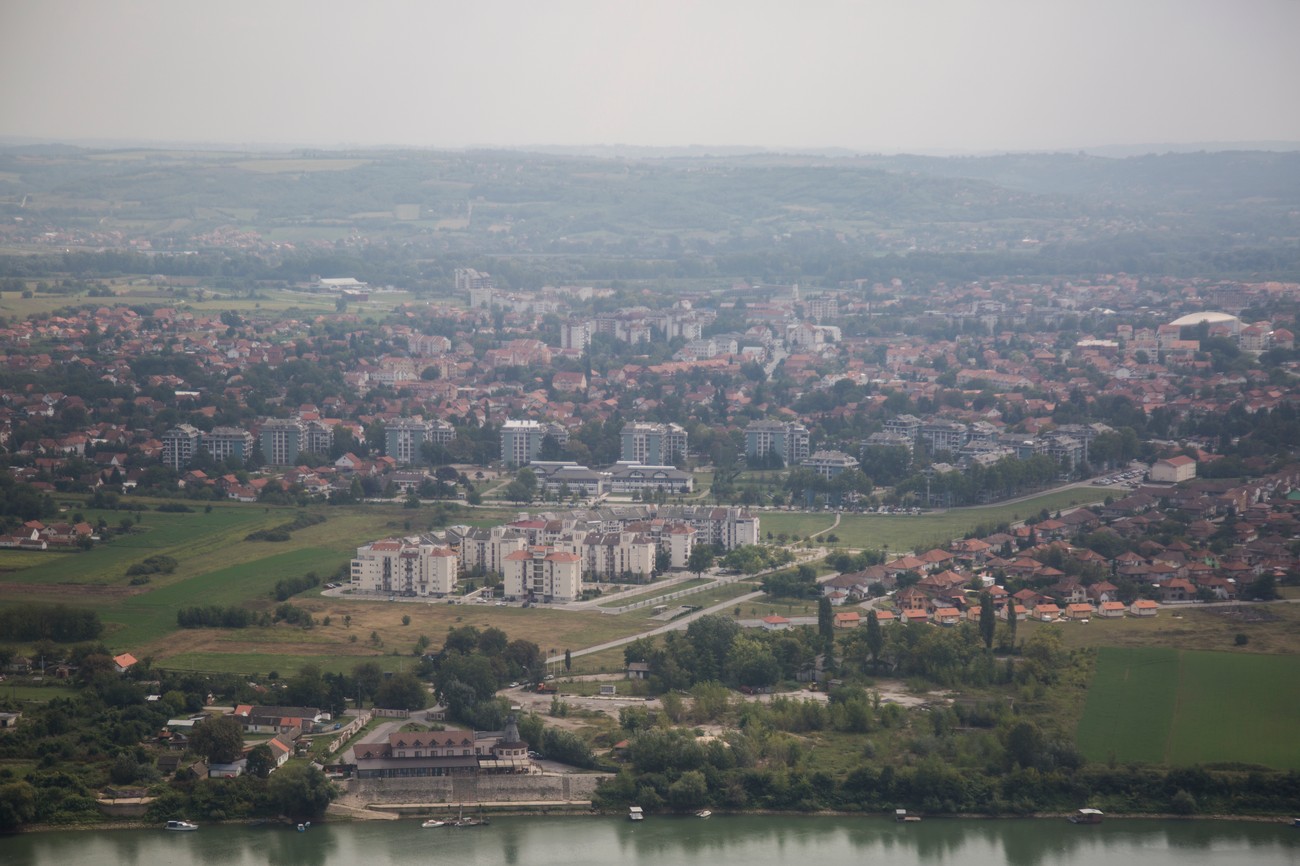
<point>181,825</point>
<point>433,822</point>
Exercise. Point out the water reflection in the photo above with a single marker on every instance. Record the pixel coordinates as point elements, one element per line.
<point>720,841</point>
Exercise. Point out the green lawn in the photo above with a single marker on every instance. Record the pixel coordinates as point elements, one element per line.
<point>900,533</point>
<point>1181,707</point>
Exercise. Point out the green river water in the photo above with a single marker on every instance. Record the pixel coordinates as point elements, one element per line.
<point>743,840</point>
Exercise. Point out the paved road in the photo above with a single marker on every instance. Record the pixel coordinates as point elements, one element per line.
<point>676,625</point>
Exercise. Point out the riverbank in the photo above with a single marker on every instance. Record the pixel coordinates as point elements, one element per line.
<point>413,811</point>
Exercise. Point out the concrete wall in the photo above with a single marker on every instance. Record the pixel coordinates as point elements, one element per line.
<point>476,789</point>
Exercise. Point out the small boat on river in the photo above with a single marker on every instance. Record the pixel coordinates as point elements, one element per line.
<point>704,813</point>
<point>433,822</point>
<point>634,813</point>
<point>181,826</point>
<point>1087,816</point>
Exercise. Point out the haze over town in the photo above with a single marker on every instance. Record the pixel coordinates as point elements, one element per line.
<point>876,77</point>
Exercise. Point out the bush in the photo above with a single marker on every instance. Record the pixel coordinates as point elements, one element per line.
<point>291,586</point>
<point>1182,803</point>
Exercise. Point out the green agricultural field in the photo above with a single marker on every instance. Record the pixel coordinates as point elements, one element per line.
<point>1182,707</point>
<point>899,533</point>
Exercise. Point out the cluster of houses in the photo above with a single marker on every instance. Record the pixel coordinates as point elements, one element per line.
<point>35,535</point>
<point>284,725</point>
<point>949,582</point>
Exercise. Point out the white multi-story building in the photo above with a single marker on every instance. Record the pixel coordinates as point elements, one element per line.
<point>282,439</point>
<point>225,442</point>
<point>681,541</point>
<point>828,464</point>
<point>788,439</point>
<point>405,566</point>
<point>543,574</point>
<point>521,441</point>
<point>653,444</point>
<point>575,335</point>
<point>179,445</point>
<point>614,555</point>
<point>403,437</point>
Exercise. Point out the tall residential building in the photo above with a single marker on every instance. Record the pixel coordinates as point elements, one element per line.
<point>521,441</point>
<point>653,444</point>
<point>468,278</point>
<point>788,439</point>
<point>575,335</point>
<point>543,574</point>
<point>405,566</point>
<point>179,445</point>
<point>403,437</point>
<point>318,437</point>
<point>282,440</point>
<point>226,442</point>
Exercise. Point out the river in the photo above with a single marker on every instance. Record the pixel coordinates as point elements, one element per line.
<point>743,840</point>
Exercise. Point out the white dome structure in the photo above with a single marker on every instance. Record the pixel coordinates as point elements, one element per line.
<point>1212,318</point>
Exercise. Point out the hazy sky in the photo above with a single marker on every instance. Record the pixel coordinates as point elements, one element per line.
<point>877,75</point>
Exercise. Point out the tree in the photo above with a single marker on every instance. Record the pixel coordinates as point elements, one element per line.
<point>402,692</point>
<point>220,740</point>
<point>875,637</point>
<point>1011,619</point>
<point>261,761</point>
<point>17,805</point>
<point>301,792</point>
<point>568,661</point>
<point>988,619</point>
<point>825,621</point>
<point>689,792</point>
<point>367,676</point>
<point>701,559</point>
<point>751,663</point>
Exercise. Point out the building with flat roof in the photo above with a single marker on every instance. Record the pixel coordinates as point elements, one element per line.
<point>653,444</point>
<point>179,445</point>
<point>404,438</point>
<point>226,442</point>
<point>521,441</point>
<point>789,440</point>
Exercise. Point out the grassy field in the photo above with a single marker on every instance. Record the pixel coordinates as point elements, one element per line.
<point>1178,707</point>
<point>619,599</point>
<point>1272,628</point>
<point>899,533</point>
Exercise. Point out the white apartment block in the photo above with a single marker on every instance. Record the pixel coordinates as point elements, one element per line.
<point>543,574</point>
<point>405,566</point>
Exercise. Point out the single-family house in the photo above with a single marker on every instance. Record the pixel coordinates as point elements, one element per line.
<point>1143,607</point>
<point>847,619</point>
<point>947,616</point>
